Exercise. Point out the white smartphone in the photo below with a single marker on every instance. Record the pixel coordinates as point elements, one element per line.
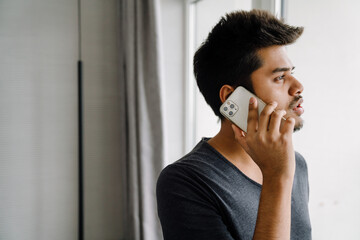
<point>236,107</point>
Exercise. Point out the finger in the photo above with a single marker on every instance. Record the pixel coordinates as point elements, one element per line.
<point>238,132</point>
<point>275,121</point>
<point>252,121</point>
<point>265,116</point>
<point>288,126</point>
<point>240,137</point>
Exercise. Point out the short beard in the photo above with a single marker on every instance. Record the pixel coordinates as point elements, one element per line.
<point>298,127</point>
<point>291,106</point>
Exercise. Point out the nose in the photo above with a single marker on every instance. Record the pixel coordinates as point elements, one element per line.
<point>296,87</point>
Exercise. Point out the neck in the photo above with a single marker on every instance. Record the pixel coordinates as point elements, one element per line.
<point>225,143</point>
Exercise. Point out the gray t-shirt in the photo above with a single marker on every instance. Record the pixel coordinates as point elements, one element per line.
<point>203,196</point>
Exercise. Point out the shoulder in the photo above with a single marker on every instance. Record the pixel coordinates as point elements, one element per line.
<point>183,188</point>
<point>180,176</point>
<point>186,204</point>
<point>203,161</point>
<point>173,173</point>
<point>300,162</point>
<point>301,172</point>
<point>200,173</point>
<point>187,173</point>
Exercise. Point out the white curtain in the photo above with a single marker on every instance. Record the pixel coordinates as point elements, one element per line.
<point>141,114</point>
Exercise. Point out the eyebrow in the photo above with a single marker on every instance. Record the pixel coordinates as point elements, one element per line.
<point>284,69</point>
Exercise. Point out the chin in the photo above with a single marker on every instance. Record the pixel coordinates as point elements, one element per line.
<point>298,125</point>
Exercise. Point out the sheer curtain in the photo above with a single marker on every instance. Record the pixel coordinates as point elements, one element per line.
<point>141,117</point>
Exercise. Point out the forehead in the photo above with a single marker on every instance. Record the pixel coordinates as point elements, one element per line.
<point>274,57</point>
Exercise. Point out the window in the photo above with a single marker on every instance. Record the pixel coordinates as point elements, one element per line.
<point>202,16</point>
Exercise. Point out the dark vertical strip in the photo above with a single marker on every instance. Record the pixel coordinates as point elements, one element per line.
<point>80,127</point>
<point>128,223</point>
<point>81,167</point>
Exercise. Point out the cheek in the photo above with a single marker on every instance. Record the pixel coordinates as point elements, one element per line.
<point>271,96</point>
<point>283,103</point>
<point>268,92</point>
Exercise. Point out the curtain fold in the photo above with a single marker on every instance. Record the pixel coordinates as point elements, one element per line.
<point>141,113</point>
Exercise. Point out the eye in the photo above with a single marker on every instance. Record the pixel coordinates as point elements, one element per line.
<point>280,78</point>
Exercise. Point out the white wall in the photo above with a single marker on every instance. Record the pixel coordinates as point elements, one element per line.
<point>38,120</point>
<point>327,57</point>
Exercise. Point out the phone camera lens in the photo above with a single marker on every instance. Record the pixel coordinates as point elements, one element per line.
<point>225,108</point>
<point>232,106</point>
<point>230,113</point>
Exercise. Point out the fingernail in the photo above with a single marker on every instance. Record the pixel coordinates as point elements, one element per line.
<point>242,134</point>
<point>252,100</point>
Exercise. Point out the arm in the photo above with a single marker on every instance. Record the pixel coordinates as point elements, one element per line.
<point>274,214</point>
<point>269,144</point>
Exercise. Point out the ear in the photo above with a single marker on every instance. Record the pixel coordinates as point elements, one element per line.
<point>225,92</point>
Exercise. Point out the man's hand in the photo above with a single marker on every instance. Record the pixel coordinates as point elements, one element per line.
<point>269,143</point>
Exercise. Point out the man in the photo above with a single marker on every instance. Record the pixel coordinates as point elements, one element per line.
<point>240,185</point>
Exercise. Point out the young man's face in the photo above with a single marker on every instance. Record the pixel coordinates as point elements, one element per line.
<point>274,82</point>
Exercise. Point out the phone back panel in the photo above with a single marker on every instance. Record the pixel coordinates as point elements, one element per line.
<point>236,107</point>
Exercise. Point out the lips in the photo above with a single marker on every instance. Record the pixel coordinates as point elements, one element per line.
<point>298,109</point>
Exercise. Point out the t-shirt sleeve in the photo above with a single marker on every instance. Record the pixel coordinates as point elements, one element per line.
<point>186,208</point>
<point>302,165</point>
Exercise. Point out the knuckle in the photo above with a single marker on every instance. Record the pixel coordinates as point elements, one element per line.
<point>250,118</point>
<point>264,113</point>
<point>284,138</point>
<point>261,138</point>
<point>290,120</point>
<point>252,112</point>
<point>277,113</point>
<point>272,138</point>
<point>268,110</point>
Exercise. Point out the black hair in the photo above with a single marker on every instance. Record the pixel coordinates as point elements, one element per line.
<point>229,54</point>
